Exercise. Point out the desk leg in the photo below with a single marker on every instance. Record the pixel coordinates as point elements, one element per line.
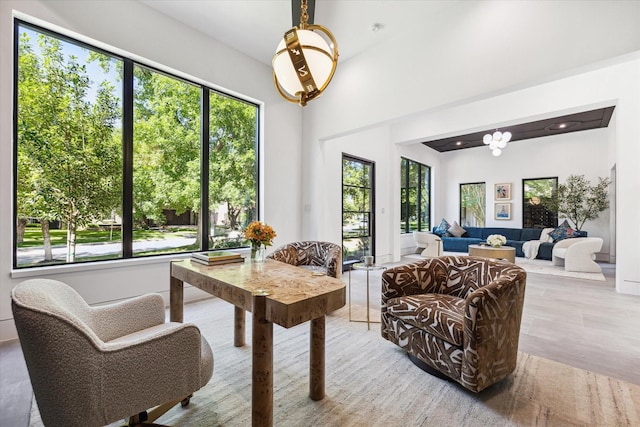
<point>316,359</point>
<point>176,300</point>
<point>262,376</point>
<point>238,335</point>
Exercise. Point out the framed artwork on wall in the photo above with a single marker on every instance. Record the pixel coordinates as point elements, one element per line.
<point>502,192</point>
<point>503,210</point>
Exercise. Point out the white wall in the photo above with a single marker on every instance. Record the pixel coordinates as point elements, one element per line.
<point>145,34</point>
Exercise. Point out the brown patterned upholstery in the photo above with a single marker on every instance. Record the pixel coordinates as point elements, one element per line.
<point>322,256</point>
<point>459,315</point>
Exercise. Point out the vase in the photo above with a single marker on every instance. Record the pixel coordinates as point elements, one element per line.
<point>257,253</point>
<point>496,246</point>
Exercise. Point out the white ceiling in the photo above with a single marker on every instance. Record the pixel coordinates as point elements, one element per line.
<point>255,27</point>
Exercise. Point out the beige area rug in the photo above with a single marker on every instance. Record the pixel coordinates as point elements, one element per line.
<point>538,266</point>
<point>542,266</point>
<point>371,382</point>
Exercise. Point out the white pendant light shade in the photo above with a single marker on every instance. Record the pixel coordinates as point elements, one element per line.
<point>497,141</point>
<point>319,63</point>
<point>305,60</point>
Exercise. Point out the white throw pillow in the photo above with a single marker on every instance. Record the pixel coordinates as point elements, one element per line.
<point>456,230</point>
<point>544,236</point>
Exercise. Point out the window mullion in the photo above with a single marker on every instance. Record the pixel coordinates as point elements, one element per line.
<point>127,159</point>
<point>205,226</point>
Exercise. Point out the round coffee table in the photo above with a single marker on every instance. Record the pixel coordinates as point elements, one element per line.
<point>503,252</point>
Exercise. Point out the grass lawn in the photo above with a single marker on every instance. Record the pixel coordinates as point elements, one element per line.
<point>33,236</point>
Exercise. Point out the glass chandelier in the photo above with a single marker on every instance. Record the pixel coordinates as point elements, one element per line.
<point>497,141</point>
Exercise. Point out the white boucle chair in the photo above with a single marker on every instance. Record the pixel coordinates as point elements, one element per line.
<point>577,254</point>
<point>429,242</point>
<point>91,366</point>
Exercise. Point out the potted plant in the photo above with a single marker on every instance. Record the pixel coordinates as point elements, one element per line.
<point>578,201</point>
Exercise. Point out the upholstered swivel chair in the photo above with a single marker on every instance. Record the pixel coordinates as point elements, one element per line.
<point>456,316</point>
<point>321,256</point>
<point>428,244</point>
<point>577,254</point>
<point>91,366</point>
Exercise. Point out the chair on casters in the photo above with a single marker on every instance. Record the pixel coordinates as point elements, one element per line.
<point>577,254</point>
<point>91,366</point>
<point>322,256</point>
<point>456,316</point>
<point>430,244</point>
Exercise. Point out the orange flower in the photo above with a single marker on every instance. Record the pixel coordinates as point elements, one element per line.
<point>258,233</point>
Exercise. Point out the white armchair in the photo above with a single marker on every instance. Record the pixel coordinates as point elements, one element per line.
<point>91,366</point>
<point>577,254</point>
<point>429,242</point>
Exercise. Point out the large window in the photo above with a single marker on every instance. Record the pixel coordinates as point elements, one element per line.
<point>473,204</point>
<point>415,196</point>
<point>535,192</point>
<point>115,159</point>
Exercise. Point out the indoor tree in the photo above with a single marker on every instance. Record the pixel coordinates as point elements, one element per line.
<point>578,201</point>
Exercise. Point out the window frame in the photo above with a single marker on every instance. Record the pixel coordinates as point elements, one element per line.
<point>423,170</point>
<point>554,215</point>
<point>460,201</point>
<point>127,100</point>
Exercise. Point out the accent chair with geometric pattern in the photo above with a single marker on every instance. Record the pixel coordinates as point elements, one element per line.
<point>319,256</point>
<point>91,366</point>
<point>456,315</point>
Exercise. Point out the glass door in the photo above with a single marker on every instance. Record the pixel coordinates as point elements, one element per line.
<point>358,224</point>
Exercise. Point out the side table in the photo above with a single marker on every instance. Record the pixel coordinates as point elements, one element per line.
<point>368,268</point>
<point>503,252</point>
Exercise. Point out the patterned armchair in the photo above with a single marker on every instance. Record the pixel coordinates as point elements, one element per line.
<point>322,256</point>
<point>457,315</point>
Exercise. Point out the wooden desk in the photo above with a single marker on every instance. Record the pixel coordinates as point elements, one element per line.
<point>274,292</point>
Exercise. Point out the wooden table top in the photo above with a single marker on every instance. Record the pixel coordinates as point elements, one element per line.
<point>294,295</point>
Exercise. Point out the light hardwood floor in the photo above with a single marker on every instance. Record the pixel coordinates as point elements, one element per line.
<point>582,323</point>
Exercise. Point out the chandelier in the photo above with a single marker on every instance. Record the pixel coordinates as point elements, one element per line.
<point>497,141</point>
<point>305,61</point>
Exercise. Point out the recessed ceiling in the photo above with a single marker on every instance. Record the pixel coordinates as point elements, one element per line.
<point>585,120</point>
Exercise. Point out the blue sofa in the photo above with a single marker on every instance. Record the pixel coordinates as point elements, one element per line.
<point>515,238</point>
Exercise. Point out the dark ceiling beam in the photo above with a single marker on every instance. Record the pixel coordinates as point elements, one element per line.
<point>295,12</point>
<point>585,120</point>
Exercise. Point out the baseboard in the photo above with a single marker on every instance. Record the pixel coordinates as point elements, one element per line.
<point>8,330</point>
